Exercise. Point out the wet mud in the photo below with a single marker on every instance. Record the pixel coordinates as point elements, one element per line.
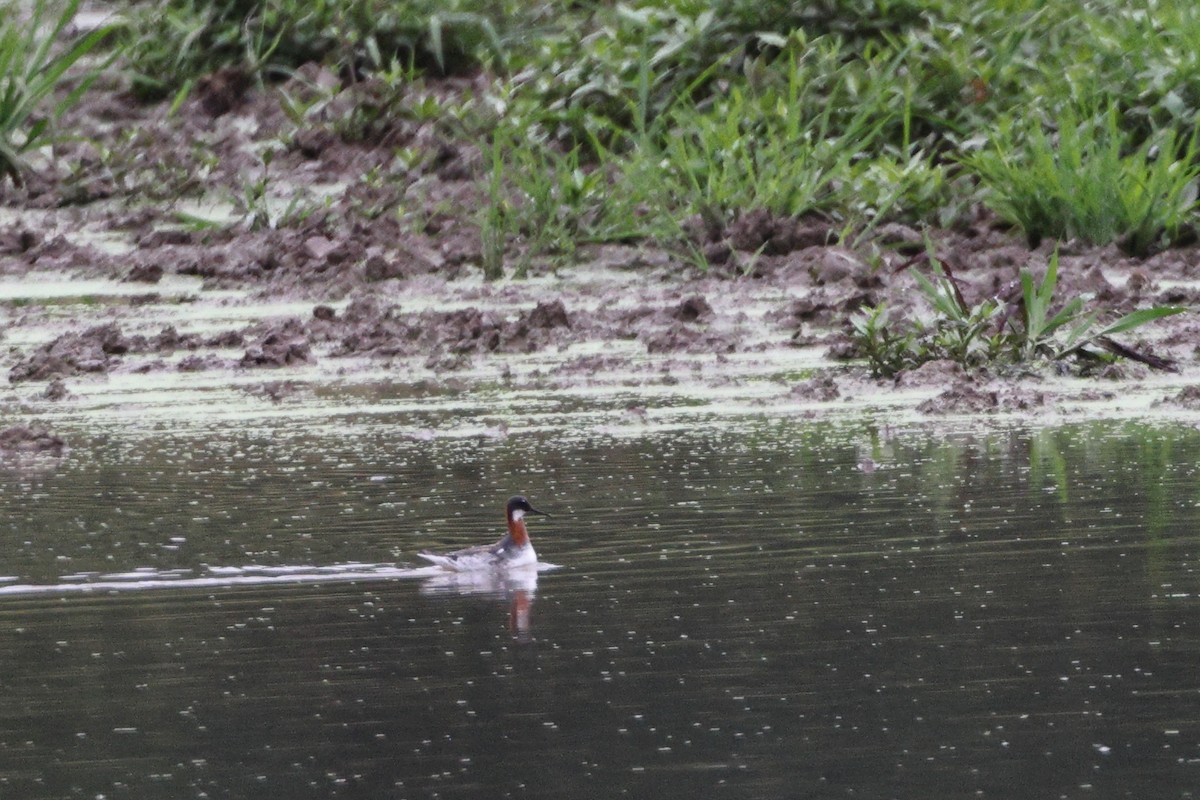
<point>26,439</point>
<point>367,272</point>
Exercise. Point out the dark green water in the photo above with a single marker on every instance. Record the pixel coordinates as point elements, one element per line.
<point>742,611</point>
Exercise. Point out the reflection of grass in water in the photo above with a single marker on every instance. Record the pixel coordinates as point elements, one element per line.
<point>1149,461</point>
<point>1066,454</point>
<point>1043,453</point>
<point>942,477</point>
<point>1130,466</point>
<point>1155,452</point>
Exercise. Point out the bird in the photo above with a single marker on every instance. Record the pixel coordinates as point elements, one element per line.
<point>514,550</point>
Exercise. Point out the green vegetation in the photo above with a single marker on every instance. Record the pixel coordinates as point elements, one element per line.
<point>1036,327</point>
<point>1091,180</point>
<point>666,122</point>
<point>866,112</point>
<point>174,43</point>
<point>32,67</point>
<point>1071,329</point>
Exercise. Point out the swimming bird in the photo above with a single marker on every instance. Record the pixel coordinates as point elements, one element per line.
<point>514,550</point>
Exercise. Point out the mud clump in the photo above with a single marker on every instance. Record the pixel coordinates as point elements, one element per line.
<point>94,350</point>
<point>692,309</point>
<point>50,253</point>
<point>829,265</point>
<point>932,373</point>
<point>379,268</point>
<point>223,91</point>
<point>547,315</point>
<point>472,330</point>
<point>367,328</point>
<point>313,142</point>
<point>673,329</point>
<point>469,329</point>
<point>963,398</point>
<point>30,439</point>
<point>406,259</point>
<point>145,273</point>
<point>960,399</point>
<point>198,363</point>
<point>688,339</point>
<point>363,328</point>
<point>99,349</point>
<point>761,231</point>
<point>823,307</point>
<point>280,345</point>
<point>16,240</point>
<point>56,390</point>
<point>1188,397</point>
<point>822,389</point>
<point>536,329</point>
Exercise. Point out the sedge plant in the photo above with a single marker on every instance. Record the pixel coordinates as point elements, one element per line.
<point>32,67</point>
<point>1090,179</point>
<point>991,333</point>
<point>1070,329</point>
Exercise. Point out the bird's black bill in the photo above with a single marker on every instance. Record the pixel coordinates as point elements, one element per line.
<point>533,510</point>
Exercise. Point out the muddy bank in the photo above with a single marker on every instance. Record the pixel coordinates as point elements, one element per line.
<point>17,440</point>
<point>380,287</point>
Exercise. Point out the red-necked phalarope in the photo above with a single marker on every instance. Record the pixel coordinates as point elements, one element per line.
<point>514,550</point>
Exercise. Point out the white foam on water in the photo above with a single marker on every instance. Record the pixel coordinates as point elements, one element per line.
<point>217,578</point>
<point>224,577</point>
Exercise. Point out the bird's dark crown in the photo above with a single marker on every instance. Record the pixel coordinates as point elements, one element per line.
<point>519,503</point>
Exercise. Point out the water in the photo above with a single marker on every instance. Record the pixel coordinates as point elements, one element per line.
<point>743,609</point>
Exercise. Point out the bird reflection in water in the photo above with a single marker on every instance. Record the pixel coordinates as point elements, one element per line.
<point>515,587</point>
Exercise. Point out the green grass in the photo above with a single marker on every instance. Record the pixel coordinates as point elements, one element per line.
<point>664,122</point>
<point>601,121</point>
<point>174,43</point>
<point>1089,178</point>
<point>798,143</point>
<point>776,151</point>
<point>33,66</point>
<point>1045,329</point>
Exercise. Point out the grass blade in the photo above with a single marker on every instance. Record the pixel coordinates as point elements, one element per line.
<point>1141,317</point>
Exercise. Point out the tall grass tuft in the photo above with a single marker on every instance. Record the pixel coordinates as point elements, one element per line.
<point>31,68</point>
<point>175,42</point>
<point>782,149</point>
<point>986,335</point>
<point>1090,180</point>
<point>546,200</point>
